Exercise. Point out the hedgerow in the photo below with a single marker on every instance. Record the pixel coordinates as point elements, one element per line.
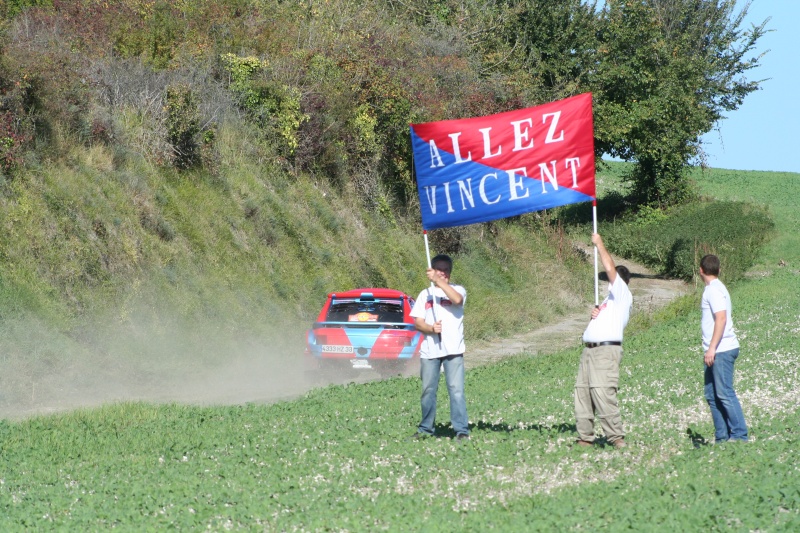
<point>673,241</point>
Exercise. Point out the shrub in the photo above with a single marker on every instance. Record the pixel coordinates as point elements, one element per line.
<point>183,126</point>
<point>42,83</point>
<point>672,242</point>
<point>11,144</point>
<point>274,106</point>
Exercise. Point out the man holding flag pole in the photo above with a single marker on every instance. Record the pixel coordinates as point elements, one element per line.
<point>486,168</point>
<point>598,371</point>
<point>438,312</point>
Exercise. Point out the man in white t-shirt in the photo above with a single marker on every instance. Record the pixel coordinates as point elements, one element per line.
<point>598,371</point>
<point>439,313</point>
<point>721,348</point>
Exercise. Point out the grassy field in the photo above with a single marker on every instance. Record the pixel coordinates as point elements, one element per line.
<point>338,458</point>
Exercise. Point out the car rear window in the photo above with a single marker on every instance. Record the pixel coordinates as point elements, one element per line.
<point>351,310</point>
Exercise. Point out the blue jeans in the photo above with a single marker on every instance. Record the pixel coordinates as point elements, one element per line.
<point>725,408</point>
<point>429,371</point>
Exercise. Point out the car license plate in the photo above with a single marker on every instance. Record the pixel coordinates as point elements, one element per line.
<point>335,348</point>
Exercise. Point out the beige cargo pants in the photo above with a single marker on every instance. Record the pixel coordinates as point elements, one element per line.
<point>596,393</point>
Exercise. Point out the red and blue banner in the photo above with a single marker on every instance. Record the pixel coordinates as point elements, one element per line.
<point>485,168</point>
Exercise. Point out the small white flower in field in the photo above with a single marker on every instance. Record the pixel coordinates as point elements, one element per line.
<point>161,460</point>
<point>184,459</point>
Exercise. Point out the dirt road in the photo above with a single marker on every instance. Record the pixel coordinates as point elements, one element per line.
<point>650,292</point>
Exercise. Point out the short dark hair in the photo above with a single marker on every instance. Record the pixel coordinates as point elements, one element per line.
<point>445,258</point>
<point>624,273</point>
<point>710,265</point>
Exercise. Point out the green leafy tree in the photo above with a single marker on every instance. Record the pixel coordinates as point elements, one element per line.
<point>662,73</point>
<point>666,72</point>
<point>10,8</point>
<point>556,45</point>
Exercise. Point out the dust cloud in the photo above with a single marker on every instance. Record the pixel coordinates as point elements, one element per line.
<point>46,372</point>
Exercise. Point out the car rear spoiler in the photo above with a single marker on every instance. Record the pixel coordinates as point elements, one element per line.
<point>387,325</point>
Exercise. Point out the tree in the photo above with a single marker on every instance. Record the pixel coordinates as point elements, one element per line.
<point>557,44</point>
<point>666,72</point>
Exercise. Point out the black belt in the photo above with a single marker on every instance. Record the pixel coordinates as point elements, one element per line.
<point>606,343</point>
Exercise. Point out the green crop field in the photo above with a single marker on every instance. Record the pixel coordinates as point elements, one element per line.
<point>338,458</point>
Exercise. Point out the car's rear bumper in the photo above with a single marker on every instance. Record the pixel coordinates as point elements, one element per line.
<point>339,343</point>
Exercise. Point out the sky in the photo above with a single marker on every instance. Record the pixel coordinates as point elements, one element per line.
<point>762,134</point>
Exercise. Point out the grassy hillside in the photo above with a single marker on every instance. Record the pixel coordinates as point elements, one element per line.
<point>140,280</point>
<point>339,457</point>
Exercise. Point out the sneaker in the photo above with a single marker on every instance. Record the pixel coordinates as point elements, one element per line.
<point>584,443</point>
<point>462,437</point>
<point>620,443</point>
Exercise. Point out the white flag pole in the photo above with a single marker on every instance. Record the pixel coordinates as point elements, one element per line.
<point>427,249</point>
<point>431,290</point>
<point>596,279</point>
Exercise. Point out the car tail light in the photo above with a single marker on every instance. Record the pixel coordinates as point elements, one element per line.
<point>401,340</point>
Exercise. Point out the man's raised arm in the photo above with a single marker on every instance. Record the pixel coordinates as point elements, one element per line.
<point>605,258</point>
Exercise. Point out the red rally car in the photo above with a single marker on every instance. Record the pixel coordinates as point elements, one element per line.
<point>364,329</point>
